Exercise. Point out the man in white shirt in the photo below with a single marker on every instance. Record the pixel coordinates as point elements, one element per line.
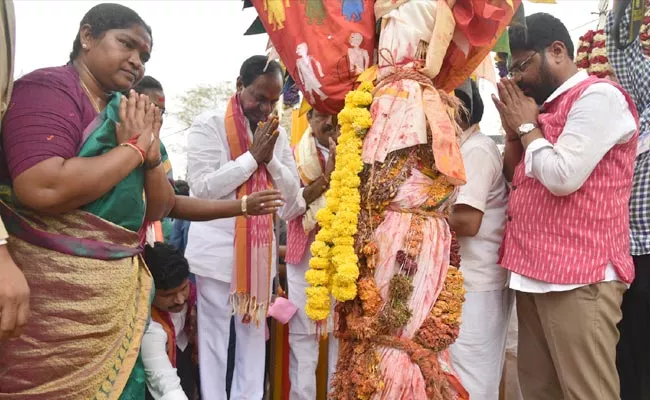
<point>479,218</point>
<point>315,155</point>
<point>214,173</point>
<point>567,232</point>
<point>168,345</point>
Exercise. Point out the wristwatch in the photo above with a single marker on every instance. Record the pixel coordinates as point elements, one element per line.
<point>525,129</point>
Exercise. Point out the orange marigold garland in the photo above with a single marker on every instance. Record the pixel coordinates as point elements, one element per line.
<point>454,250</point>
<point>441,327</point>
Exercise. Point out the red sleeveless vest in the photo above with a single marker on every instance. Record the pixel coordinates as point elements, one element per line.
<point>571,239</point>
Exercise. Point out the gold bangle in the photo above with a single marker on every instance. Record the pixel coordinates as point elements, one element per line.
<point>244,210</point>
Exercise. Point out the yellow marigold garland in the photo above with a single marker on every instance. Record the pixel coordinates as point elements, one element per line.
<point>334,264</point>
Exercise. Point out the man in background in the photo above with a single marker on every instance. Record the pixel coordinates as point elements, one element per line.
<point>169,344</point>
<point>315,155</point>
<point>479,218</point>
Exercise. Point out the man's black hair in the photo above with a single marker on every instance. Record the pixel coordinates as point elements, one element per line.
<point>182,188</point>
<point>148,83</point>
<point>167,265</point>
<point>104,17</point>
<point>474,106</point>
<point>541,31</point>
<point>256,66</point>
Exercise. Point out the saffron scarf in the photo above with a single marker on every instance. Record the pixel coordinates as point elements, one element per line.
<point>251,274</point>
<point>165,320</point>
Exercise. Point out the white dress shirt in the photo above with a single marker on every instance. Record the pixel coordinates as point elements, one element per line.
<point>599,120</point>
<point>213,175</point>
<point>162,379</point>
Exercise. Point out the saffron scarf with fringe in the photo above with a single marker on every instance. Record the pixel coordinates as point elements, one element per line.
<point>251,274</point>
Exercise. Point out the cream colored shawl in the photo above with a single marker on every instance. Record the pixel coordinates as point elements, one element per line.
<point>309,169</point>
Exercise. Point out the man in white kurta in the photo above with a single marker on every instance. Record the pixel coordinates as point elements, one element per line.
<point>315,160</point>
<point>479,220</point>
<point>212,174</point>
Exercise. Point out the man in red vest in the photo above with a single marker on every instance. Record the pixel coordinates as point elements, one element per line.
<point>169,345</point>
<point>567,231</point>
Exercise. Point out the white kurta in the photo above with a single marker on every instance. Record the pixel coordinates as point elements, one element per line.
<point>478,353</point>
<point>210,252</point>
<point>303,341</point>
<point>161,377</point>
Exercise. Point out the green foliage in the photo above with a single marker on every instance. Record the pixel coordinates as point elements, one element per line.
<point>202,98</point>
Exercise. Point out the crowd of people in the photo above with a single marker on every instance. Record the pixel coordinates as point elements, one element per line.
<point>118,282</point>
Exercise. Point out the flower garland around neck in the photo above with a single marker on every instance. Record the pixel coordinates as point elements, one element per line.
<point>334,264</point>
<point>592,54</point>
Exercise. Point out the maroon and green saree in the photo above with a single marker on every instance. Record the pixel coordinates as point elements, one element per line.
<point>90,289</point>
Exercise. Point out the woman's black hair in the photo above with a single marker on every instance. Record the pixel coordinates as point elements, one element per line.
<point>256,66</point>
<point>104,17</point>
<point>541,31</point>
<point>146,84</point>
<point>168,267</point>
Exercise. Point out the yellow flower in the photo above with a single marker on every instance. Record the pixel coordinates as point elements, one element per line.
<point>334,265</point>
<point>344,293</point>
<point>318,263</point>
<point>317,277</point>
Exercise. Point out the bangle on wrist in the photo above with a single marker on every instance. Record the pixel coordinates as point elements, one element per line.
<point>244,206</point>
<point>137,149</point>
<point>153,165</point>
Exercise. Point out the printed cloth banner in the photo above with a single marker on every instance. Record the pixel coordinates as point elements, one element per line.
<point>324,44</point>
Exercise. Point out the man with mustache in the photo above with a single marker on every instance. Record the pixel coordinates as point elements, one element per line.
<point>233,153</point>
<point>169,346</point>
<point>566,240</point>
<point>315,156</point>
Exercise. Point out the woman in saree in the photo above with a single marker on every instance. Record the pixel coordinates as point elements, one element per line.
<point>77,158</point>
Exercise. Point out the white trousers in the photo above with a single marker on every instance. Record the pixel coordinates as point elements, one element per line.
<point>214,313</point>
<point>511,388</point>
<point>479,351</point>
<point>303,361</point>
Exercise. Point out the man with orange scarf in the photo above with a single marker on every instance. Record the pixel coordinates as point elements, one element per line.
<point>315,154</point>
<point>169,343</point>
<point>232,154</point>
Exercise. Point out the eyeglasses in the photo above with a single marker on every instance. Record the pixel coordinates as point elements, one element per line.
<point>521,67</point>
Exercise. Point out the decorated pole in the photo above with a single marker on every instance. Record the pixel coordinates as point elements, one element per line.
<point>384,252</point>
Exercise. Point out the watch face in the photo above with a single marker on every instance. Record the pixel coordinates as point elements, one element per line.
<point>525,128</point>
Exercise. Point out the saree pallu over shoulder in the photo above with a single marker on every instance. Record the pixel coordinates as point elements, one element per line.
<point>90,291</point>
<point>124,204</point>
<point>89,306</point>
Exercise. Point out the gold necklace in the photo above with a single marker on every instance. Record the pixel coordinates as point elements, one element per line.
<point>92,98</point>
